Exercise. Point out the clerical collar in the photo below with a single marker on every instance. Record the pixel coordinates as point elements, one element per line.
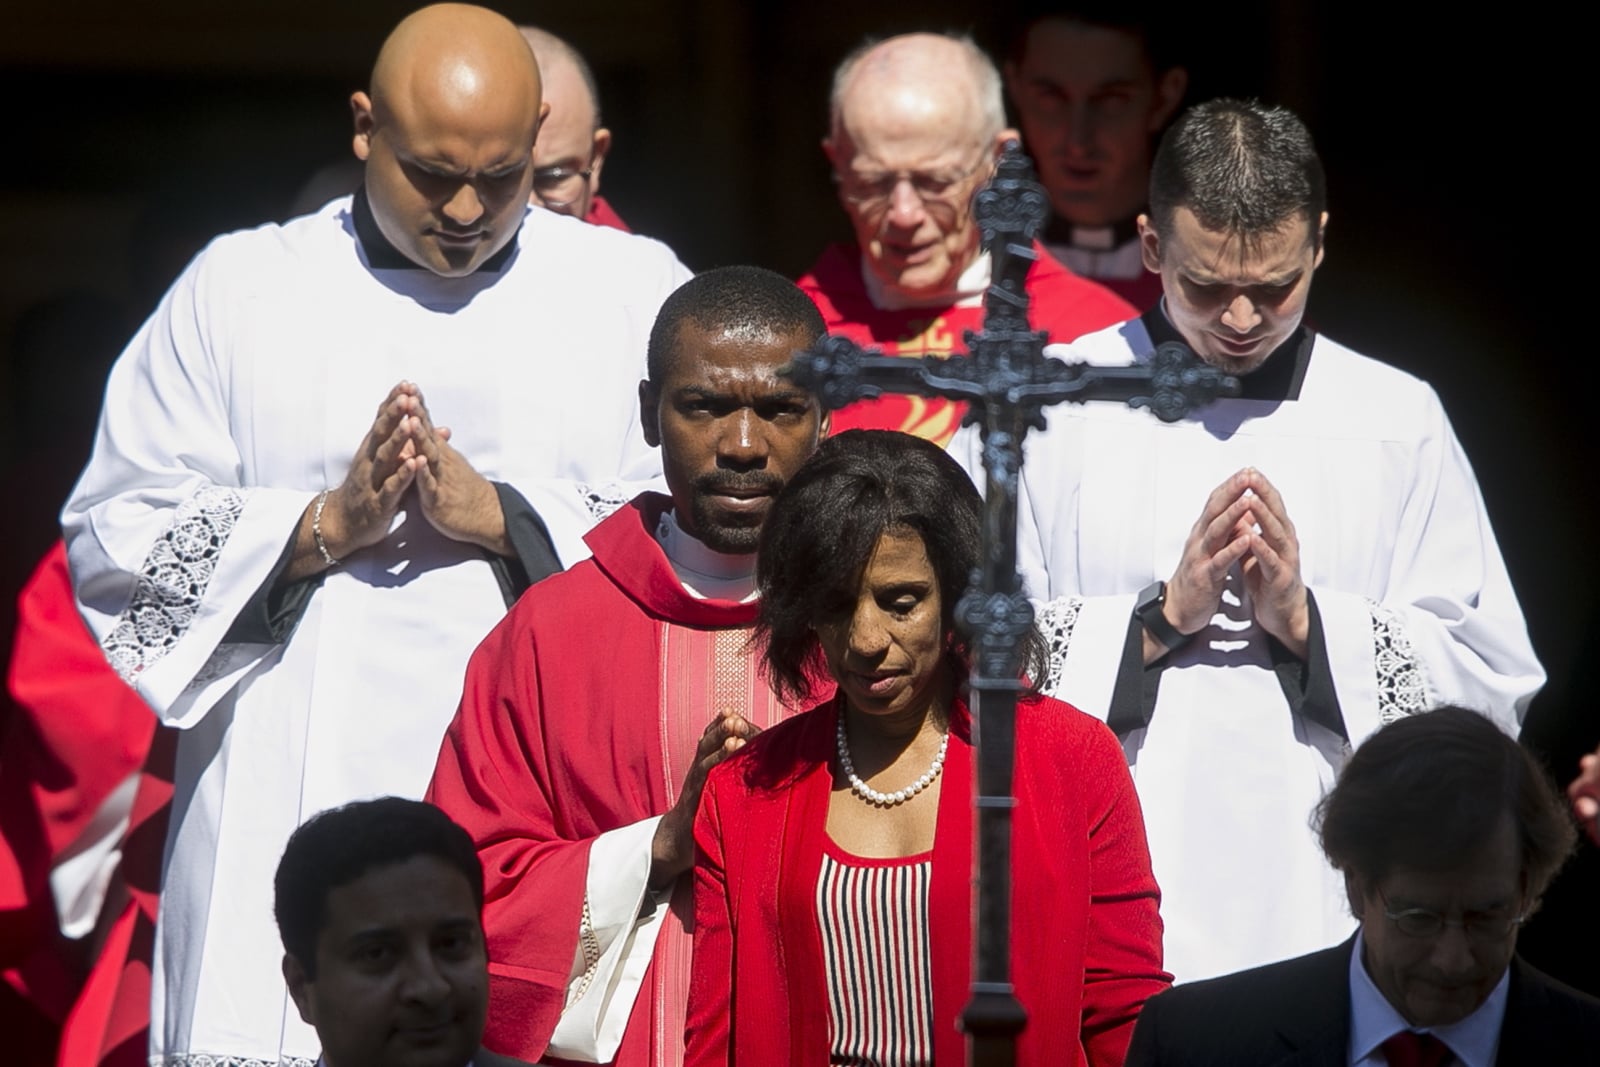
<point>1279,377</point>
<point>381,255</point>
<point>969,290</point>
<point>1063,231</point>
<point>704,572</point>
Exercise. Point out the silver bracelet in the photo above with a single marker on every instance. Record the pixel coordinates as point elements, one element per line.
<point>316,529</point>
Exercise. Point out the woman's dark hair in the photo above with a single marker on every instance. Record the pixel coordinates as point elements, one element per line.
<point>823,527</point>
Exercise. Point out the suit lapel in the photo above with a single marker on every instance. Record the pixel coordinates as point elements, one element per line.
<point>1522,1040</point>
<point>1319,1032</point>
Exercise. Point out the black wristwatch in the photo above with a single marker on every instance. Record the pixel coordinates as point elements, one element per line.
<point>1147,609</point>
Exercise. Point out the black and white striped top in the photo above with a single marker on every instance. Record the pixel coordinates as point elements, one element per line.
<point>874,920</point>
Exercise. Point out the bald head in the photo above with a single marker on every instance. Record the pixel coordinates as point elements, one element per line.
<point>920,76</point>
<point>446,130</point>
<point>568,80</point>
<point>454,59</point>
<point>571,141</point>
<point>917,122</point>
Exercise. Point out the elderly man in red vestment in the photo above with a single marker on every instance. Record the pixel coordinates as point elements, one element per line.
<point>917,123</point>
<point>592,713</point>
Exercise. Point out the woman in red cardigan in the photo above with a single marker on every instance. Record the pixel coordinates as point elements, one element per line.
<point>833,892</point>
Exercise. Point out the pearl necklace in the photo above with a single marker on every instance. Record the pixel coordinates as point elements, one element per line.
<point>900,796</point>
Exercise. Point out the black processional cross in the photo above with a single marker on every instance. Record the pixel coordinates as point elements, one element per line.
<point>1007,382</point>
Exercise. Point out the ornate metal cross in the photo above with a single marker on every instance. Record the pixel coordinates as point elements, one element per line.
<point>1007,382</point>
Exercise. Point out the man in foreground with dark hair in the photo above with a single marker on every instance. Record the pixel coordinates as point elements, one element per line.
<point>378,904</point>
<point>1249,592</point>
<point>582,741</point>
<point>1446,832</point>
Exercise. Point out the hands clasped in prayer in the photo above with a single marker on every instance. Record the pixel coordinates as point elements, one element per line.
<point>402,451</point>
<point>1244,521</point>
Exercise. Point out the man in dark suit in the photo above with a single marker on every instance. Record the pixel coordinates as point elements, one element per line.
<point>379,905</point>
<point>1447,832</point>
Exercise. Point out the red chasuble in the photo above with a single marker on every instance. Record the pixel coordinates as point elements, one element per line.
<point>1085,935</point>
<point>74,733</point>
<point>1061,302</point>
<point>581,714</point>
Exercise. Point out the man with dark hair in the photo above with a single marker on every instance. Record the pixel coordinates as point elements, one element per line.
<point>277,532</point>
<point>1094,84</point>
<point>577,762</point>
<point>378,904</point>
<point>916,123</point>
<point>1341,572</point>
<point>573,143</point>
<point>1446,832</point>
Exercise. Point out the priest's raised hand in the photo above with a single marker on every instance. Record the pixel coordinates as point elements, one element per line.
<point>672,849</point>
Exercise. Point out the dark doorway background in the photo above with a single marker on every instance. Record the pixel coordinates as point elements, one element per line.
<point>134,132</point>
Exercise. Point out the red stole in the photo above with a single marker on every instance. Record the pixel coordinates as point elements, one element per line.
<point>702,671</point>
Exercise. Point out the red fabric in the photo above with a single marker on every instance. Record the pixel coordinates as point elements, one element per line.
<point>110,1023</point>
<point>601,214</point>
<point>1086,936</point>
<point>77,732</point>
<point>74,733</point>
<point>1061,302</point>
<point>557,741</point>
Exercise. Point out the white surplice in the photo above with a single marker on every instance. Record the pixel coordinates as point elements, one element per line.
<point>1397,551</point>
<point>244,396</point>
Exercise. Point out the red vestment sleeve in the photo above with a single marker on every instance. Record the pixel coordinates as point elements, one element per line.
<point>493,777</point>
<point>72,733</point>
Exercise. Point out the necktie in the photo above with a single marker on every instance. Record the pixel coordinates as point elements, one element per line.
<point>1411,1049</point>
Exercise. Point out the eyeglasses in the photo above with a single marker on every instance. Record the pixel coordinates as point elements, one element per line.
<point>1482,927</point>
<point>873,191</point>
<point>558,187</point>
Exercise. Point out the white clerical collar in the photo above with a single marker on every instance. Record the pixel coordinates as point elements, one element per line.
<point>1093,238</point>
<point>968,292</point>
<point>1474,1040</point>
<point>705,573</point>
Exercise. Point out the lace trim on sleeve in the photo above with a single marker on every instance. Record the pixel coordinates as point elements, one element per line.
<point>1402,689</point>
<point>602,500</point>
<point>1056,621</point>
<point>211,1059</point>
<point>171,585</point>
<point>589,945</point>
